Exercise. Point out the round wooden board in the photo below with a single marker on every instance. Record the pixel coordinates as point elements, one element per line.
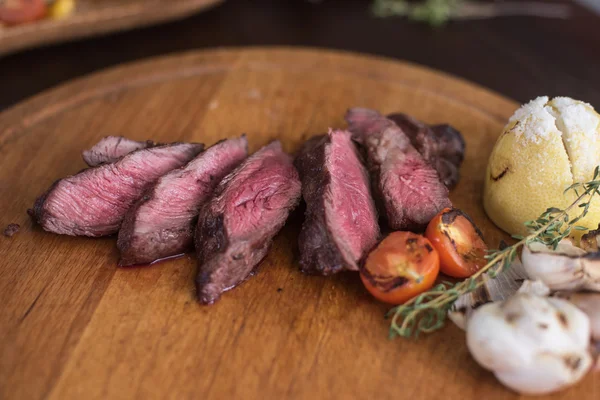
<point>95,17</point>
<point>73,325</point>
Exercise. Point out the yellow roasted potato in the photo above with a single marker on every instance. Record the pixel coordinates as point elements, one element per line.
<point>546,146</point>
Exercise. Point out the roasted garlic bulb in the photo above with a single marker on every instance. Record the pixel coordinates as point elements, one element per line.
<point>533,344</point>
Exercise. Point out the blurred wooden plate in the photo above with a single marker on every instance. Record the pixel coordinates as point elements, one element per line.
<point>96,17</point>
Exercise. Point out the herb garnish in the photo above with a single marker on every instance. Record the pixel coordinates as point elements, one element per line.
<point>438,12</point>
<point>427,312</point>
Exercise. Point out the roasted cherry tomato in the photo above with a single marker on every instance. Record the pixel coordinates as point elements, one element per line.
<point>14,12</point>
<point>402,266</point>
<point>458,241</point>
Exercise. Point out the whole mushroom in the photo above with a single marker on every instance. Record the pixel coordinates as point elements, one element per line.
<point>534,345</point>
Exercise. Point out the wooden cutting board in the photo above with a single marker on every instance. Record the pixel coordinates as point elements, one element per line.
<point>94,17</point>
<point>73,325</point>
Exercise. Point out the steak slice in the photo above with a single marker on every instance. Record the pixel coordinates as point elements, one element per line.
<point>409,189</point>
<point>340,222</point>
<point>442,146</point>
<point>94,201</point>
<point>236,227</point>
<point>161,224</point>
<point>111,148</point>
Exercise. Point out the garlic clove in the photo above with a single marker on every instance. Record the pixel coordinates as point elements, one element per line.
<point>504,285</point>
<point>533,344</point>
<point>566,268</point>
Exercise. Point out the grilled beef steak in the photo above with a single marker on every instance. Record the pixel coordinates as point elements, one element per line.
<point>236,227</point>
<point>442,146</point>
<point>94,201</point>
<point>111,148</point>
<point>409,189</point>
<point>340,220</point>
<point>162,222</point>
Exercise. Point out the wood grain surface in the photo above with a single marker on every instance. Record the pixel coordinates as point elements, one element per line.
<point>93,17</point>
<point>73,325</point>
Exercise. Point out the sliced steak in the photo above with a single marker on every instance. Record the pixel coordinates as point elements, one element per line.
<point>111,148</point>
<point>340,222</point>
<point>442,146</point>
<point>161,224</point>
<point>409,190</point>
<point>236,227</point>
<point>94,201</point>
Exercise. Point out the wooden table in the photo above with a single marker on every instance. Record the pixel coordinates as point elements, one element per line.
<point>519,57</point>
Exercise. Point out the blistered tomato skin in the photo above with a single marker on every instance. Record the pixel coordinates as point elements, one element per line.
<point>459,243</point>
<point>15,12</point>
<point>401,267</point>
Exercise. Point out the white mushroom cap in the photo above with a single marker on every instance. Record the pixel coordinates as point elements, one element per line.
<point>533,344</point>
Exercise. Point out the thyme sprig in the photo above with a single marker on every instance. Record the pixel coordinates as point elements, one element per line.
<point>427,312</point>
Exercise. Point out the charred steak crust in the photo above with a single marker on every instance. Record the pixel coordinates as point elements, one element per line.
<point>237,225</point>
<point>94,201</point>
<point>38,212</point>
<point>408,189</point>
<point>326,239</point>
<point>442,146</point>
<point>325,259</point>
<point>161,224</point>
<point>110,148</point>
<point>452,142</point>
